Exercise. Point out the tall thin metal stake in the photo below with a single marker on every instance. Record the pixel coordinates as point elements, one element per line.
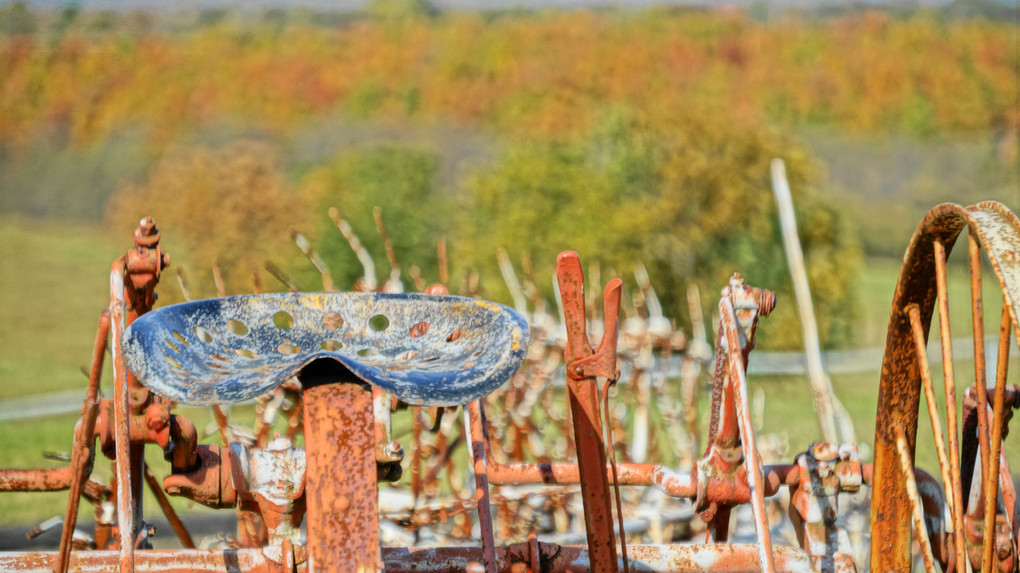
<point>826,405</point>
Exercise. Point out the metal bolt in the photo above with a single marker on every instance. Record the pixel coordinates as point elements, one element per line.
<point>146,235</point>
<point>156,418</point>
<point>394,451</point>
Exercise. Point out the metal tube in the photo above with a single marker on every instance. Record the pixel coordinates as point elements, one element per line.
<point>754,470</point>
<point>553,558</point>
<point>920,346</point>
<point>121,396</point>
<point>991,482</point>
<point>978,331</point>
<point>954,484</point>
<point>341,490</point>
<point>481,493</point>
<point>36,480</point>
<point>907,465</point>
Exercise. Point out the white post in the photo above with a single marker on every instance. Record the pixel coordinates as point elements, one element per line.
<point>825,401</point>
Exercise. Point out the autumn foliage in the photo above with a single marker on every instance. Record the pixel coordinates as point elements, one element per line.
<point>537,74</point>
<point>628,135</point>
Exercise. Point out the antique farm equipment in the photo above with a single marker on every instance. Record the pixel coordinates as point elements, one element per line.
<point>341,365</point>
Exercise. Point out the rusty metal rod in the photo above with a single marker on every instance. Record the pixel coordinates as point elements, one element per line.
<point>949,382</point>
<point>171,515</point>
<point>582,394</point>
<point>482,493</point>
<point>991,483</point>
<point>755,475</point>
<point>660,477</point>
<point>122,436</point>
<point>977,324</point>
<point>907,465</point>
<point>552,558</point>
<point>36,480</point>
<point>920,347</point>
<point>84,442</point>
<point>221,424</point>
<point>616,479</point>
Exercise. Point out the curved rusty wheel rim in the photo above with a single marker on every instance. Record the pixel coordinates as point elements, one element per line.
<point>998,231</point>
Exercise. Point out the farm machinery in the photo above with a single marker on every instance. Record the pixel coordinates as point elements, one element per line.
<point>514,438</point>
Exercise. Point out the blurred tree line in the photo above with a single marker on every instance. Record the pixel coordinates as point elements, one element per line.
<point>634,189</point>
<point>627,135</point>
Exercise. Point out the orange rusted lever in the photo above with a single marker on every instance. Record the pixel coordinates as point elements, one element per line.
<point>583,362</point>
<point>583,366</point>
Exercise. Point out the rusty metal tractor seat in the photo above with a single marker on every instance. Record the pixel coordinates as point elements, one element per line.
<point>426,349</point>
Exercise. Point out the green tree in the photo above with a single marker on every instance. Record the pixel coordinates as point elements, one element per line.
<point>688,195</point>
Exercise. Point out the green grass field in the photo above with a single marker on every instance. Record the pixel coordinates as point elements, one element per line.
<point>54,282</point>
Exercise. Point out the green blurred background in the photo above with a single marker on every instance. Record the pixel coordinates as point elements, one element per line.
<point>627,134</point>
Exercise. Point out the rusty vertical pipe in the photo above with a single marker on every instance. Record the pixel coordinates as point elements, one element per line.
<point>584,413</point>
<point>755,472</point>
<point>980,379</point>
<point>126,501</point>
<point>991,483</point>
<point>416,429</point>
<point>591,461</point>
<point>476,439</point>
<point>341,490</point>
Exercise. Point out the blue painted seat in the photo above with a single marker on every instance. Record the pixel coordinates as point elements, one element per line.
<point>426,349</point>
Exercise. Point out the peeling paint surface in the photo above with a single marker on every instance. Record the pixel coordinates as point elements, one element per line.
<point>233,349</point>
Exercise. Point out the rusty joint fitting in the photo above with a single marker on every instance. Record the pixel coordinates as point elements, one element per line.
<point>209,483</point>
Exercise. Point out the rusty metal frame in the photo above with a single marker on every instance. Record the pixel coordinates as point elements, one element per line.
<point>996,231</point>
<point>331,484</point>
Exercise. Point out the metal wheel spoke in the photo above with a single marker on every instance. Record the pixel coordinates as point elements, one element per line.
<point>991,475</point>
<point>954,488</point>
<point>978,324</point>
<point>907,465</point>
<point>929,394</point>
<point>974,454</point>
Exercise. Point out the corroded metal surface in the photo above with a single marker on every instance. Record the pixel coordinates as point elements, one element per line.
<point>436,350</point>
<point>342,497</point>
<point>232,349</point>
<point>509,559</point>
<point>997,231</point>
<point>583,366</point>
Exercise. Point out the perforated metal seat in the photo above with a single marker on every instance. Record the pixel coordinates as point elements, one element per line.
<point>427,350</point>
